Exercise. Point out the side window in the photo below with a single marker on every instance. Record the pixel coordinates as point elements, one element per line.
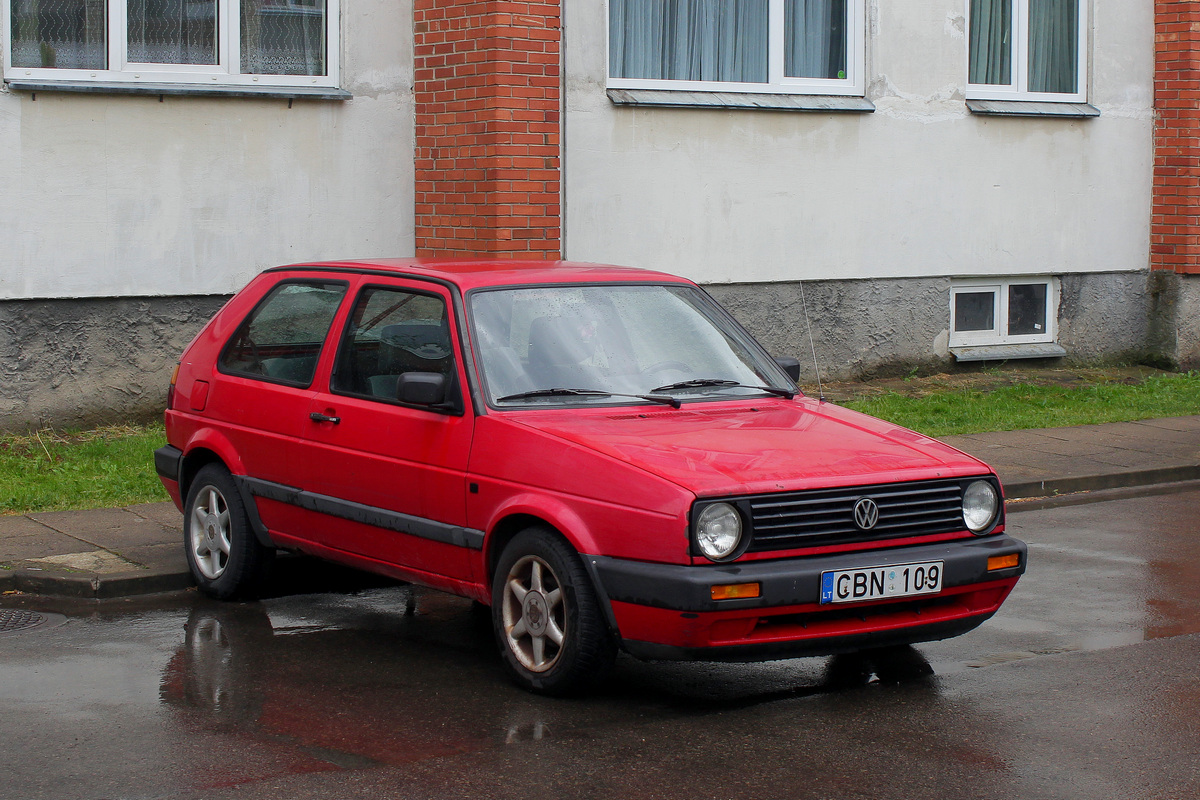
<point>281,338</point>
<point>391,332</point>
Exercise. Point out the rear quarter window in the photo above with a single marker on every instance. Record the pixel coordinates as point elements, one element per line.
<point>281,339</point>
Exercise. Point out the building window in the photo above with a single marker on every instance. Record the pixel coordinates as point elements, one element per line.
<point>284,43</point>
<point>1012,311</point>
<point>780,46</point>
<point>1027,50</point>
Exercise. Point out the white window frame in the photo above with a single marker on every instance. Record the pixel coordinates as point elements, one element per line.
<point>854,84</point>
<point>1019,58</point>
<point>999,333</point>
<point>226,73</point>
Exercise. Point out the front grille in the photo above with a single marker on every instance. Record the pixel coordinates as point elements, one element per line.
<point>826,516</point>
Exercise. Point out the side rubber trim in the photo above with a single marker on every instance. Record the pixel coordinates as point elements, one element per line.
<point>821,646</point>
<point>368,515</point>
<point>791,581</point>
<point>168,462</point>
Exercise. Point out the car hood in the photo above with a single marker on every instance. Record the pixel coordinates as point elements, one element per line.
<point>747,447</point>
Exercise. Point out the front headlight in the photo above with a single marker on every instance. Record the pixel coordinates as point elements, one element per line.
<point>718,531</point>
<point>980,506</point>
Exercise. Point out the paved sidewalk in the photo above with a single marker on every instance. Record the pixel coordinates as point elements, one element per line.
<point>116,552</point>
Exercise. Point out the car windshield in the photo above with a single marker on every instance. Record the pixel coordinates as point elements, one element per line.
<point>572,345</point>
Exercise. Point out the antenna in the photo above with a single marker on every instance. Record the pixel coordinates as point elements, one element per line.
<point>811,346</point>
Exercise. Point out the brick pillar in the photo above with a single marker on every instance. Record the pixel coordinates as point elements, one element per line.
<point>1175,220</point>
<point>487,128</point>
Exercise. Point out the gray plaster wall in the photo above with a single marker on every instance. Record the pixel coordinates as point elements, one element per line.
<point>68,363</point>
<point>867,327</point>
<point>920,187</point>
<point>133,195</point>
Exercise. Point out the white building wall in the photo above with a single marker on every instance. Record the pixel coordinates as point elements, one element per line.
<point>919,188</point>
<point>121,195</point>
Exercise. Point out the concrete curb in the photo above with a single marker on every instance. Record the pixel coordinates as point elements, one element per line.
<point>1091,483</point>
<point>96,587</point>
<point>1029,496</point>
<point>1098,496</point>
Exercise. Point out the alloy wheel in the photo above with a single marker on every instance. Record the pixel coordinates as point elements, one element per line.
<point>210,532</point>
<point>534,614</point>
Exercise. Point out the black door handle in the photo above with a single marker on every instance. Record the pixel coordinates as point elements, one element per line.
<point>318,417</point>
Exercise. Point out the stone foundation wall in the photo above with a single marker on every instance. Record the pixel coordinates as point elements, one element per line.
<point>870,327</point>
<point>76,363</point>
<point>1187,323</point>
<point>68,363</point>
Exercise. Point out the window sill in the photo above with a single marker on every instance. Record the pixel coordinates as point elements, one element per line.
<point>116,87</point>
<point>1007,352</point>
<point>663,98</point>
<point>1021,108</point>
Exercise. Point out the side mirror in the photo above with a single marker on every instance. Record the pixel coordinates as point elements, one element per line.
<point>422,388</point>
<point>791,366</point>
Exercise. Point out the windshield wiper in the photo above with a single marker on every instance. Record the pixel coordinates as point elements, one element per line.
<point>700,383</point>
<point>654,398</point>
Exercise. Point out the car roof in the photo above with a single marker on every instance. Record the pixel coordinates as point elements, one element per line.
<point>476,273</point>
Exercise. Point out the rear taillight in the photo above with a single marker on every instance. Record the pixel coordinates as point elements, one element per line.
<point>171,388</point>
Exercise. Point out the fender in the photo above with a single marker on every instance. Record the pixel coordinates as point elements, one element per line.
<point>215,442</point>
<point>555,512</point>
<point>566,521</point>
<point>212,439</point>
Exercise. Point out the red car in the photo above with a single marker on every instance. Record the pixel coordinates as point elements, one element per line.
<point>600,454</point>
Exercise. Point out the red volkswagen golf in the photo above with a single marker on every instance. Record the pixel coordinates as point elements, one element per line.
<point>602,455</point>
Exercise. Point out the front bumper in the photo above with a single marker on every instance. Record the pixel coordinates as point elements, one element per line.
<point>666,611</point>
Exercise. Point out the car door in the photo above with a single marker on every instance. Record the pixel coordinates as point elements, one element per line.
<point>388,477</point>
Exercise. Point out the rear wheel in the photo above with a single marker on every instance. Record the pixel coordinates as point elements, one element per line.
<point>226,559</point>
<point>546,616</point>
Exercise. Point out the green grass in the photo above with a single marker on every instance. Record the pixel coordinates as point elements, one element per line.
<point>1021,406</point>
<point>102,468</point>
<point>114,466</point>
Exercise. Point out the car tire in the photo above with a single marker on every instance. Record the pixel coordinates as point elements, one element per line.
<point>547,618</point>
<point>226,559</point>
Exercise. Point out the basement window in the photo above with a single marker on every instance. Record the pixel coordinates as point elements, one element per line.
<point>1017,314</point>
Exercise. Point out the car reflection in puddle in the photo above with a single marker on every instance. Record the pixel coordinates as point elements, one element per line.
<point>399,675</point>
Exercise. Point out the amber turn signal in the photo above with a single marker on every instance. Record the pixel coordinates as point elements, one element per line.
<point>1004,562</point>
<point>171,387</point>
<point>736,591</point>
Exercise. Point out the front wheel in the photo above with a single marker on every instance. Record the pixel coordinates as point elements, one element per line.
<point>547,618</point>
<point>226,558</point>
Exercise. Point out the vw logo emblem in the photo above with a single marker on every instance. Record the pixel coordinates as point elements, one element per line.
<point>866,513</point>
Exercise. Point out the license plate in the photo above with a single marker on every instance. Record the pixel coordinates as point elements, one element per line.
<point>878,583</point>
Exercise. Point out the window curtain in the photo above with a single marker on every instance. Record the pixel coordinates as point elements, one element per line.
<point>688,40</point>
<point>172,31</point>
<point>1053,45</point>
<point>61,34</point>
<point>283,39</point>
<point>816,39</point>
<point>990,56</point>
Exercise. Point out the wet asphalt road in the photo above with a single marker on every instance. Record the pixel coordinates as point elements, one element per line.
<point>1083,686</point>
